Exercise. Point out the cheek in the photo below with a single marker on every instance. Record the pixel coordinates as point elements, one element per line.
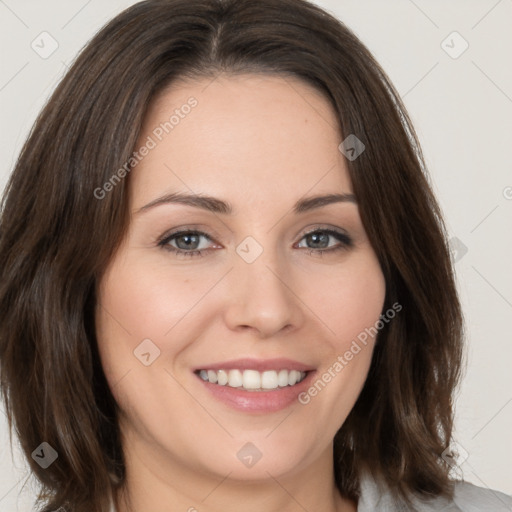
<point>351,300</point>
<point>352,307</point>
<point>137,303</point>
<point>146,300</point>
<point>141,299</point>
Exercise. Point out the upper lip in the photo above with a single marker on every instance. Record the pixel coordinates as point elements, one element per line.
<point>258,365</point>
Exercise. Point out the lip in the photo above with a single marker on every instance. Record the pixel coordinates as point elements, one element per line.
<point>259,365</point>
<point>262,402</point>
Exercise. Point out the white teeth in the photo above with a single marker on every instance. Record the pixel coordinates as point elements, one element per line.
<point>282,378</point>
<point>235,378</point>
<point>269,380</point>
<point>252,379</point>
<point>222,377</point>
<point>293,377</point>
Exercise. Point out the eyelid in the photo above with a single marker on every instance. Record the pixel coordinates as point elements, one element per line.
<point>345,241</point>
<point>328,228</point>
<point>206,232</point>
<point>321,227</point>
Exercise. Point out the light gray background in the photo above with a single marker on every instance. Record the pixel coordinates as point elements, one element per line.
<point>462,110</point>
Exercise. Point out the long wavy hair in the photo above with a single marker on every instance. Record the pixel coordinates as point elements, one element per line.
<point>57,237</point>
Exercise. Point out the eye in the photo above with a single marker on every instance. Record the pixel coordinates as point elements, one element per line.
<point>186,243</point>
<point>320,241</point>
<point>190,243</point>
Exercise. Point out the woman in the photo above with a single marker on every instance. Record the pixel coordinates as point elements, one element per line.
<point>231,284</point>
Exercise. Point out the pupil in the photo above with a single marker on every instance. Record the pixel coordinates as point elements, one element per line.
<point>189,240</point>
<point>322,239</point>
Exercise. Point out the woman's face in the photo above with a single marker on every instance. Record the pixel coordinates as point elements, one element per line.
<point>269,278</point>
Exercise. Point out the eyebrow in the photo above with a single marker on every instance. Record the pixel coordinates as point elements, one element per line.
<point>215,205</point>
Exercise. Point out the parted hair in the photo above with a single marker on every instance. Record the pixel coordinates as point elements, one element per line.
<point>57,237</point>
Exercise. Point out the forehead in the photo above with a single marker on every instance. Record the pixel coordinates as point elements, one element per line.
<point>246,138</point>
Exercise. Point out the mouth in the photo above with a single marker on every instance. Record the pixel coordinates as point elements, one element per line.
<point>252,380</point>
<point>257,386</point>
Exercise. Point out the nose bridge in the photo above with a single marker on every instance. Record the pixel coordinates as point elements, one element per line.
<point>261,297</point>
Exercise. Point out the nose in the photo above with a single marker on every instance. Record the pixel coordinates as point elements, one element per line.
<point>262,298</point>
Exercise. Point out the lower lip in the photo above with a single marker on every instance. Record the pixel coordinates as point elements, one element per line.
<point>258,401</point>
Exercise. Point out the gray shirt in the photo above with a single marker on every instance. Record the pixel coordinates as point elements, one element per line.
<point>467,498</point>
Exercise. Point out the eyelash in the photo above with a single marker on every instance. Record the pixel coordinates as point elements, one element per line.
<point>346,242</point>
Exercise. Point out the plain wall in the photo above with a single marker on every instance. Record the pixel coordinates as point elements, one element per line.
<point>462,111</point>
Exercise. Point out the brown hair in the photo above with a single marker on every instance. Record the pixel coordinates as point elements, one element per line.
<point>56,238</point>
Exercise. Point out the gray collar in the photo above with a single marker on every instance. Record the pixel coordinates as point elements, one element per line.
<point>376,497</point>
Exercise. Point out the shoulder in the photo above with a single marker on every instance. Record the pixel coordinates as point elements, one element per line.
<point>467,497</point>
<point>471,498</point>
